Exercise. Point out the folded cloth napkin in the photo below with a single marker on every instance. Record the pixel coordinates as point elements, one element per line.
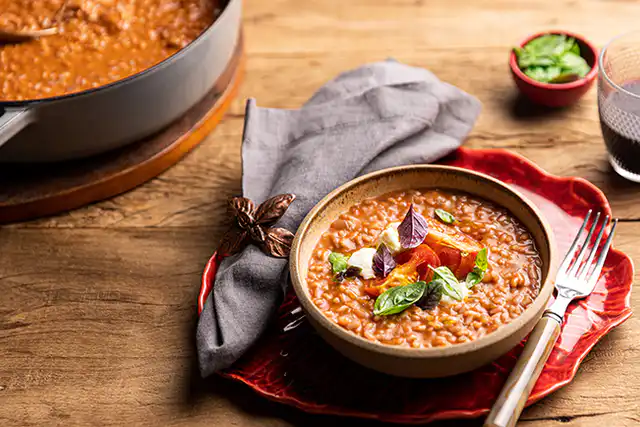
<point>377,116</point>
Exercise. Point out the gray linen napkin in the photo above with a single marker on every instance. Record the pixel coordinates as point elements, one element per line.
<point>377,116</point>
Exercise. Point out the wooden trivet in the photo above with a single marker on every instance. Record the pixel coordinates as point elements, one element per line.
<point>34,190</point>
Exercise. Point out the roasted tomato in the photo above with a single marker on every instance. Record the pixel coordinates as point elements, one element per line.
<point>455,249</point>
<point>411,265</point>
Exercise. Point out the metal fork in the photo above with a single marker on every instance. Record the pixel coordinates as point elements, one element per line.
<point>575,279</point>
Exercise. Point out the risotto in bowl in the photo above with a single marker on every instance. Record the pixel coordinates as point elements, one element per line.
<point>423,271</point>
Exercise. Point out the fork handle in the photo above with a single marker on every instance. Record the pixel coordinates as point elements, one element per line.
<point>507,408</point>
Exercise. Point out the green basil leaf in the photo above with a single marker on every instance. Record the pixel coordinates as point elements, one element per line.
<point>571,60</point>
<point>473,278</point>
<point>585,70</point>
<point>481,260</point>
<point>565,77</point>
<point>445,274</point>
<point>546,45</point>
<point>536,73</point>
<point>553,72</point>
<point>527,61</point>
<point>552,58</point>
<point>481,265</point>
<point>445,216</point>
<point>338,262</point>
<point>575,49</point>
<point>560,46</point>
<point>543,74</point>
<point>537,46</point>
<point>569,45</point>
<point>432,295</point>
<point>572,63</point>
<point>398,299</point>
<point>537,61</point>
<point>450,284</point>
<point>518,51</point>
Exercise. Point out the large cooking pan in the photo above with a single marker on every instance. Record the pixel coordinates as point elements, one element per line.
<point>101,119</point>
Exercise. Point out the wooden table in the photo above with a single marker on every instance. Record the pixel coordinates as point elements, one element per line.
<point>97,306</point>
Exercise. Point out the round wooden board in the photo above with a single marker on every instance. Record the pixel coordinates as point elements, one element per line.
<point>35,190</point>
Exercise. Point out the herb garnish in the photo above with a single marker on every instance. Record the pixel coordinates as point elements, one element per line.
<point>450,285</point>
<point>398,298</point>
<point>475,276</point>
<point>432,295</point>
<point>413,229</point>
<point>349,273</point>
<point>445,216</point>
<point>383,261</point>
<point>552,58</point>
<point>338,262</point>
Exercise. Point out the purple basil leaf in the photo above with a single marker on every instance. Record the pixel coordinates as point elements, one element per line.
<point>352,271</point>
<point>432,295</point>
<point>383,261</point>
<point>349,273</point>
<point>413,229</point>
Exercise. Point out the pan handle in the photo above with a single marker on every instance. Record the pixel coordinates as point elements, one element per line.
<point>13,120</point>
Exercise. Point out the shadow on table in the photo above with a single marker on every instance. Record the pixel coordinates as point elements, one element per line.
<point>621,193</point>
<point>261,409</point>
<point>226,401</point>
<point>618,183</point>
<point>221,399</point>
<point>521,108</point>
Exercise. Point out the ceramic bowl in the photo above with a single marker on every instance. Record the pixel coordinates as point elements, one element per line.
<point>430,362</point>
<point>556,94</point>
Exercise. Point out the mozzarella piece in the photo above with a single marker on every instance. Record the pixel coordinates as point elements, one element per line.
<point>391,238</point>
<point>363,259</point>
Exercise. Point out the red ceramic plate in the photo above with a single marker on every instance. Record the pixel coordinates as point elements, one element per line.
<point>292,365</point>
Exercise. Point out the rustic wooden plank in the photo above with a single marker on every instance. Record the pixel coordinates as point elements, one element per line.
<point>402,25</point>
<point>97,325</point>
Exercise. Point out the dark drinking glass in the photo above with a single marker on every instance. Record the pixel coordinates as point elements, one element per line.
<point>619,103</point>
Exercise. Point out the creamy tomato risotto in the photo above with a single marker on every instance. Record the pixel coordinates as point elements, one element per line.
<point>99,41</point>
<point>424,268</point>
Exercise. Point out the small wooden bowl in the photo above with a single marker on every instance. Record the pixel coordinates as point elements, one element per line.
<point>556,94</point>
<point>430,362</point>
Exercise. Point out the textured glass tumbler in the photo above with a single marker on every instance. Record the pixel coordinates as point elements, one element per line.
<point>619,103</point>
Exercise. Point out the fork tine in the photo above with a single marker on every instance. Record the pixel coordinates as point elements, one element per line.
<point>585,245</point>
<point>582,273</point>
<point>569,256</point>
<point>595,274</point>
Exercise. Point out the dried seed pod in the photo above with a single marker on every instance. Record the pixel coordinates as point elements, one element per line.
<point>278,242</point>
<point>233,242</point>
<point>257,233</point>
<point>243,209</point>
<point>252,226</point>
<point>272,210</point>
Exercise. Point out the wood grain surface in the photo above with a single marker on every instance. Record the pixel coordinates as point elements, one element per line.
<point>97,306</point>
